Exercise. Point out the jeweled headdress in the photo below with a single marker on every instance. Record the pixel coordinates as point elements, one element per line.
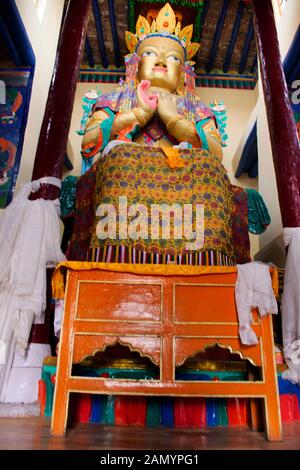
<point>165,25</point>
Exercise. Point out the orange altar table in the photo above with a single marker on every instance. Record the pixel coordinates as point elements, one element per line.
<point>166,313</point>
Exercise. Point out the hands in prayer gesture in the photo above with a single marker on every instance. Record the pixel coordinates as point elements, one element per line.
<point>163,103</point>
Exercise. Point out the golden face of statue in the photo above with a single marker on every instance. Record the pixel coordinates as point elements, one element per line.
<point>161,62</point>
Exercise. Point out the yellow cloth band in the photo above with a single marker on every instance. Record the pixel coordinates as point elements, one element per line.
<point>58,288</point>
<point>139,269</point>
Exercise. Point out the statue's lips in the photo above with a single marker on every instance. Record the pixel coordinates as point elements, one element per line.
<point>160,69</point>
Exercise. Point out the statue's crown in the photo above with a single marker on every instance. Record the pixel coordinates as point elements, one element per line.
<point>166,25</point>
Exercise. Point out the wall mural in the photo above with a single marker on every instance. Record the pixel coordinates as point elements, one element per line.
<point>295,100</point>
<point>15,94</point>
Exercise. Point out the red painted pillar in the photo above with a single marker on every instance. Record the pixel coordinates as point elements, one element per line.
<point>55,127</point>
<point>282,126</point>
<point>57,118</point>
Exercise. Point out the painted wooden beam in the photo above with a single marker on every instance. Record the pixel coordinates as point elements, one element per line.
<point>14,25</point>
<point>89,52</point>
<point>217,36</point>
<point>203,17</point>
<point>100,36</point>
<point>234,35</point>
<point>254,66</point>
<point>246,48</point>
<point>7,40</point>
<point>113,25</point>
<point>54,132</point>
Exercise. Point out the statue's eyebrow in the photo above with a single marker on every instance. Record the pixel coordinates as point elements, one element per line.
<point>174,50</point>
<point>178,55</point>
<point>149,47</point>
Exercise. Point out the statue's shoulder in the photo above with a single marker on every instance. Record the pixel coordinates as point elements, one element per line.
<point>198,108</point>
<point>109,100</point>
<point>203,111</point>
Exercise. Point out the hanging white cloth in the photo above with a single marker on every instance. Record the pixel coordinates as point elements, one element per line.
<point>58,316</point>
<point>29,243</point>
<point>253,290</point>
<point>290,305</point>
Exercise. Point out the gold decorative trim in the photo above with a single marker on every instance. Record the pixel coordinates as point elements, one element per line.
<point>204,284</point>
<point>211,345</point>
<point>121,364</point>
<point>208,365</point>
<point>216,366</point>
<point>117,341</point>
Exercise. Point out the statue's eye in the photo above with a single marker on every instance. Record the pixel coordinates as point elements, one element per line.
<point>173,58</point>
<point>149,54</point>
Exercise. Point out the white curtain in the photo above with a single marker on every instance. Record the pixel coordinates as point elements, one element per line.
<point>29,243</point>
<point>290,305</point>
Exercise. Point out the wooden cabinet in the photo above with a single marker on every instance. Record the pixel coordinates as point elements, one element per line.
<point>166,318</point>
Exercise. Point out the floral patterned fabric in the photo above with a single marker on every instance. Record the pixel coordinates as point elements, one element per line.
<point>142,175</point>
<point>79,247</point>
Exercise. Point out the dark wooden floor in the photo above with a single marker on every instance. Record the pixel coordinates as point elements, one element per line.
<point>34,433</point>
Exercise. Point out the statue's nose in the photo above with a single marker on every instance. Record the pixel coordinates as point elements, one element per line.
<point>161,60</point>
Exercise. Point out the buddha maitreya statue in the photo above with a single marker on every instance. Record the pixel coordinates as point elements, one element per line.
<point>158,144</point>
<point>152,103</point>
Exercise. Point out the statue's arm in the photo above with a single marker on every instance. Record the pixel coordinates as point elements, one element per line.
<point>183,130</point>
<point>127,121</point>
<point>203,135</point>
<point>106,125</point>
<point>94,139</point>
<point>176,124</point>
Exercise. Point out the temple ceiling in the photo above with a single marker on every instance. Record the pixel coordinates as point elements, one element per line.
<point>223,27</point>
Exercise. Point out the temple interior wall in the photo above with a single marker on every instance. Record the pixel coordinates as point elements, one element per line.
<point>43,34</point>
